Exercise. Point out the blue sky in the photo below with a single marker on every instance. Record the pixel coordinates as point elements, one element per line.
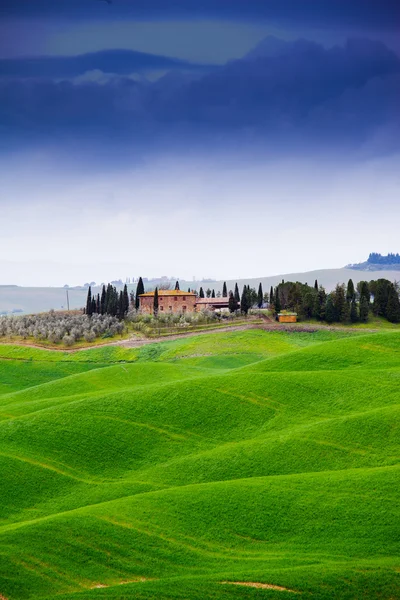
<point>147,110</point>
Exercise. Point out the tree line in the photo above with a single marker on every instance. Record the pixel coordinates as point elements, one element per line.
<point>390,259</point>
<point>109,302</point>
<point>346,304</point>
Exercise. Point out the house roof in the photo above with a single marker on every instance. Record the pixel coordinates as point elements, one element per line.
<point>168,293</point>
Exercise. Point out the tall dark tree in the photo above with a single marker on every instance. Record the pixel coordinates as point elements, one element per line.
<point>132,299</point>
<point>350,292</point>
<point>177,286</point>
<point>208,292</point>
<point>93,311</point>
<point>342,312</point>
<point>89,302</point>
<point>244,301</point>
<point>224,290</point>
<point>307,303</point>
<point>353,311</point>
<point>320,304</point>
<point>103,300</point>
<point>139,290</point>
<point>201,293</point>
<point>393,306</point>
<point>155,305</point>
<point>271,295</point>
<point>364,290</point>
<point>364,309</point>
<point>232,303</point>
<point>330,313</point>
<point>98,304</point>
<point>316,285</point>
<point>121,305</point>
<point>236,293</point>
<point>213,294</point>
<point>381,296</point>
<point>260,296</point>
<point>126,300</point>
<point>277,301</point>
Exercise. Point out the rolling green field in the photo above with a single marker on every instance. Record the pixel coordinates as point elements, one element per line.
<point>186,468</point>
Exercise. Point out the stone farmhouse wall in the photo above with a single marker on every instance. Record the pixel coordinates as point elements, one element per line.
<point>169,303</point>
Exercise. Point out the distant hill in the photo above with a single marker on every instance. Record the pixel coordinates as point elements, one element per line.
<point>40,299</point>
<point>378,262</point>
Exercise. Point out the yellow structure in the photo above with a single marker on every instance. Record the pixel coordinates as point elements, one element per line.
<point>287,317</point>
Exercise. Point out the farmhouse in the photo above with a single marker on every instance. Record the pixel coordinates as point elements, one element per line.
<point>180,301</point>
<point>169,301</point>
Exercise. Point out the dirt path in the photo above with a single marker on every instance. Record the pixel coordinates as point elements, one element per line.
<point>260,586</point>
<point>136,341</point>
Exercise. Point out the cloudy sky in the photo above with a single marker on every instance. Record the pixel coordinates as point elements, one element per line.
<point>206,138</point>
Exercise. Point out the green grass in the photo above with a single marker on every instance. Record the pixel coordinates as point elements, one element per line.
<point>163,471</point>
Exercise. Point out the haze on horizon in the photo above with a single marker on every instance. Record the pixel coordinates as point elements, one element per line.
<point>196,140</point>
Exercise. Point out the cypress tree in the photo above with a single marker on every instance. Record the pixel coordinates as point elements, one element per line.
<point>208,292</point>
<point>89,302</point>
<point>330,310</point>
<point>277,302</point>
<point>177,286</point>
<point>213,294</point>
<point>201,293</point>
<point>139,290</point>
<point>320,304</point>
<point>236,293</point>
<point>364,309</point>
<point>93,305</point>
<point>232,303</point>
<point>316,286</point>
<point>98,304</point>
<point>393,306</point>
<point>155,306</point>
<point>244,306</point>
<point>340,305</point>
<point>121,306</point>
<point>189,290</point>
<point>103,300</point>
<point>271,295</point>
<point>381,297</point>
<point>126,300</point>
<point>260,296</point>
<point>364,291</point>
<point>224,290</point>
<point>353,311</point>
<point>350,293</point>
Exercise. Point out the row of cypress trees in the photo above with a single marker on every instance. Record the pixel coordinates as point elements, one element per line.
<point>109,302</point>
<point>345,304</point>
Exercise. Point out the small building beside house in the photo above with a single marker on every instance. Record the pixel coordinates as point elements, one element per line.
<point>287,317</point>
<point>212,304</point>
<point>168,301</point>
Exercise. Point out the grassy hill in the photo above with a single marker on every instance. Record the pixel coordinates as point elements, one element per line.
<point>187,468</point>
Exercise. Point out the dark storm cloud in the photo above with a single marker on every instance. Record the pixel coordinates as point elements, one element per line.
<point>121,62</point>
<point>361,13</point>
<point>281,93</point>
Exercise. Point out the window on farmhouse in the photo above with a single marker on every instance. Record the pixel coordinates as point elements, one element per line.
<point>184,298</point>
<point>161,308</point>
<point>175,298</point>
<point>183,308</point>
